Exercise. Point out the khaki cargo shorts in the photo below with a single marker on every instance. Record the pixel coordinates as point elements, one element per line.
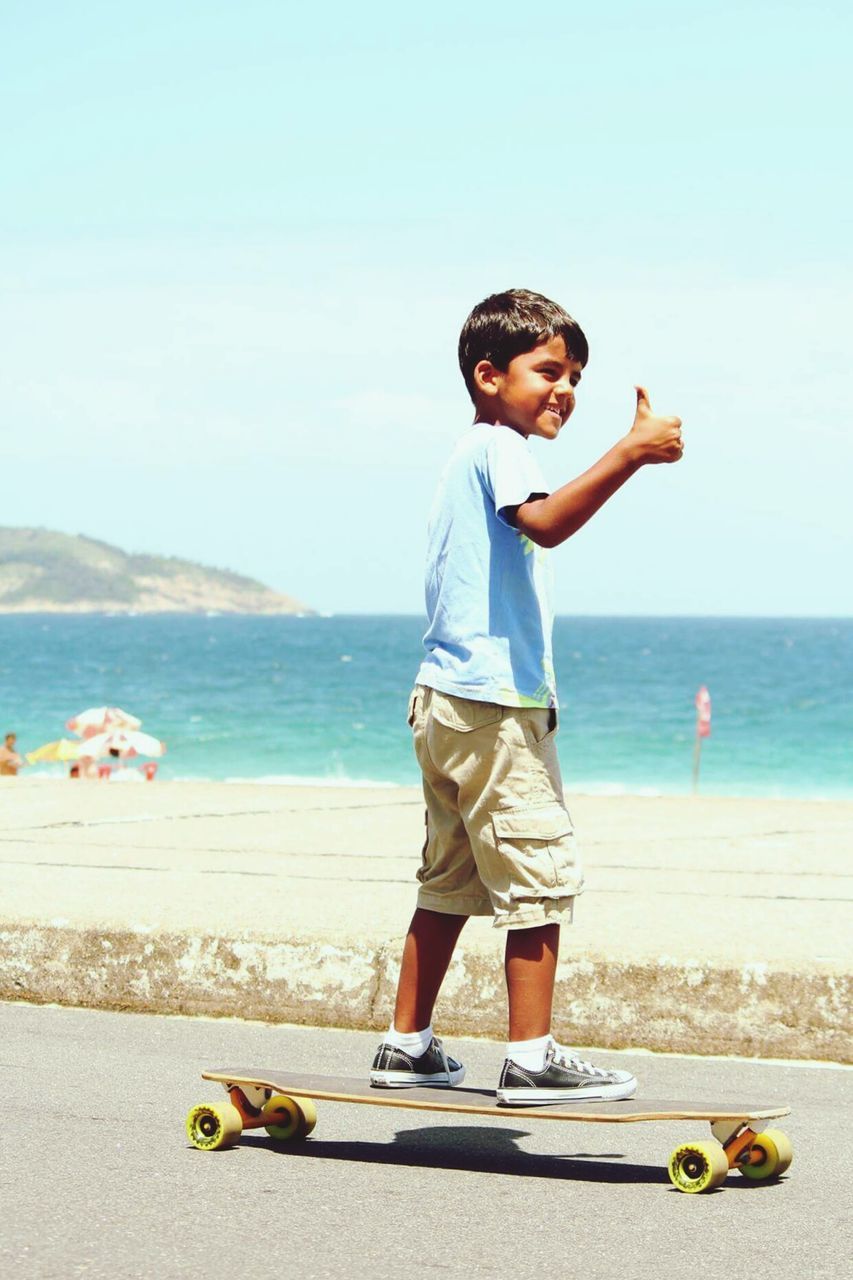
<point>499,840</point>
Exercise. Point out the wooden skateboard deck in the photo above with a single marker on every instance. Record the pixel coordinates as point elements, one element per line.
<point>282,1102</point>
<point>482,1101</point>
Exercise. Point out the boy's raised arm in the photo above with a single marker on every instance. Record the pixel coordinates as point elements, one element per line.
<point>550,521</point>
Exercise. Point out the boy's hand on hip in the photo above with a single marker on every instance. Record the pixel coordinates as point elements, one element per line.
<point>653,438</point>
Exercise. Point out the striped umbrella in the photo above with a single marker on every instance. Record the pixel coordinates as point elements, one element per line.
<point>101,719</point>
<point>127,742</point>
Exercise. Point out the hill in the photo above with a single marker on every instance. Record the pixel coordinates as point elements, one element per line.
<point>46,572</point>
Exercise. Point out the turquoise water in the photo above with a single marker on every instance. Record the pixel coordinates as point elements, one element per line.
<point>324,699</point>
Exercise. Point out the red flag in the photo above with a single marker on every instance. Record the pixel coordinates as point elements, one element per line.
<point>703,713</point>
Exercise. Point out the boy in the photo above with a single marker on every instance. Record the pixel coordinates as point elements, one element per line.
<point>484,708</point>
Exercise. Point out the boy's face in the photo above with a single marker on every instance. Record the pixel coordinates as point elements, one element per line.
<point>535,394</point>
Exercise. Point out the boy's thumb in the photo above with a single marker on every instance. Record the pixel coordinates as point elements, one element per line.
<point>642,397</point>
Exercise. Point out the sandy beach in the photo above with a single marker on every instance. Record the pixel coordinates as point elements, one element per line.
<point>709,925</point>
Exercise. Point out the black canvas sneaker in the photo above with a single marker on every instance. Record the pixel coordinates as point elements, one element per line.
<point>564,1078</point>
<point>395,1069</point>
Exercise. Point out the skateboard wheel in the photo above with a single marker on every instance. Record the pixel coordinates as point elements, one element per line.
<point>309,1114</point>
<point>211,1126</point>
<point>698,1166</point>
<point>777,1153</point>
<point>288,1118</point>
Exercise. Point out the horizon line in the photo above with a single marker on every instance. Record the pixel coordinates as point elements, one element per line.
<point>327,615</point>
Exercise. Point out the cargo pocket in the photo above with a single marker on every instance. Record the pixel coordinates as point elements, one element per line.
<point>538,851</point>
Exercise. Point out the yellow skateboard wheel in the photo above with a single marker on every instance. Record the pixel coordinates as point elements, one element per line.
<point>288,1118</point>
<point>698,1166</point>
<point>777,1153</point>
<point>211,1126</point>
<point>309,1114</point>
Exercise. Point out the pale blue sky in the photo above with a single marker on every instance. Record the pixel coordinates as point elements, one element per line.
<point>239,240</point>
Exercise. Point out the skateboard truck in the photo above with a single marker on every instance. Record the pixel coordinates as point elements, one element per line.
<point>757,1153</point>
<point>746,1145</point>
<point>212,1126</point>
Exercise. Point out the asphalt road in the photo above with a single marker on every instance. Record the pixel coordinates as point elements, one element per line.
<point>97,1178</point>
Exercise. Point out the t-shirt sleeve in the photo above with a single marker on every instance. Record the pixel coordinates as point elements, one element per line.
<point>512,473</point>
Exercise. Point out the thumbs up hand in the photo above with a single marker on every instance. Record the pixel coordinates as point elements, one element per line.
<point>652,437</point>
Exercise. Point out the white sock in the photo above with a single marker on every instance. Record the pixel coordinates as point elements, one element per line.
<point>529,1054</point>
<point>414,1043</point>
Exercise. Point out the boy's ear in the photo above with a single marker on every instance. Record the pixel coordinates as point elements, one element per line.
<point>487,377</point>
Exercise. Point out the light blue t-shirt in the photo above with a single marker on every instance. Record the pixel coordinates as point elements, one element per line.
<point>488,587</point>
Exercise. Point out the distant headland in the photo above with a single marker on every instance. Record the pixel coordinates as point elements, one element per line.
<point>46,572</point>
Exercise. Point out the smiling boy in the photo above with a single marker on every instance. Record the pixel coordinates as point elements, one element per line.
<point>483,713</point>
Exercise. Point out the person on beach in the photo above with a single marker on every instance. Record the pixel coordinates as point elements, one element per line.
<point>499,840</point>
<point>10,761</point>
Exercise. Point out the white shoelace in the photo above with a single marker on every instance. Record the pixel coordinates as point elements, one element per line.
<point>443,1056</point>
<point>565,1058</point>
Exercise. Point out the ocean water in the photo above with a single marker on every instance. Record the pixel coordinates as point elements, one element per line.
<point>324,699</point>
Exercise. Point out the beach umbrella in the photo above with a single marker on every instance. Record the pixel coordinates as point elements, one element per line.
<point>62,749</point>
<point>100,720</point>
<point>127,742</point>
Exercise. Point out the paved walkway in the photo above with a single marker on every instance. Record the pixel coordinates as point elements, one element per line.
<point>708,925</point>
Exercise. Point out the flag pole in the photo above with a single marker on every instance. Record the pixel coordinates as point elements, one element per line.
<point>703,730</point>
<point>697,760</point>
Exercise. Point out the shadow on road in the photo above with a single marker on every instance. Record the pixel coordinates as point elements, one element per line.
<point>473,1150</point>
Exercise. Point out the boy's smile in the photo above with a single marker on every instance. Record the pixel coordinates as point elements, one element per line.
<point>535,394</point>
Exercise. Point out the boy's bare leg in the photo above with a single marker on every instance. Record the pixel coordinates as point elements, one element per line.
<point>427,952</point>
<point>531,968</point>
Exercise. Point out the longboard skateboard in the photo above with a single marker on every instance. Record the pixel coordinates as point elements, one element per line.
<point>282,1102</point>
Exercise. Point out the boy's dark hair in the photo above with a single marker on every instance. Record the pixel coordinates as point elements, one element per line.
<point>506,324</point>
